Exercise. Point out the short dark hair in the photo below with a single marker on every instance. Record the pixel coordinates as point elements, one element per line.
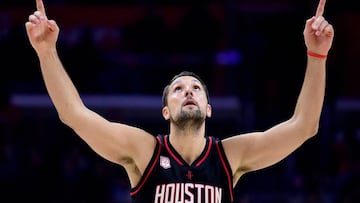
<point>181,74</point>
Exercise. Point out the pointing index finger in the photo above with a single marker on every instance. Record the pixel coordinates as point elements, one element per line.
<point>320,8</point>
<point>40,6</point>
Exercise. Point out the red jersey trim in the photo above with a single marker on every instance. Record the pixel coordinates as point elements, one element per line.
<point>207,152</point>
<point>143,181</point>
<point>226,170</point>
<point>166,141</point>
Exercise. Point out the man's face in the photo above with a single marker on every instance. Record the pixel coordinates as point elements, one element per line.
<point>187,101</point>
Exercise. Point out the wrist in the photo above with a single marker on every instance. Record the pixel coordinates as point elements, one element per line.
<point>47,53</point>
<point>316,55</point>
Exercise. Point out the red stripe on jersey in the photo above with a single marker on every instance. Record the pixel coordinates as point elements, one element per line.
<point>207,152</point>
<point>151,169</point>
<point>170,152</point>
<point>226,170</point>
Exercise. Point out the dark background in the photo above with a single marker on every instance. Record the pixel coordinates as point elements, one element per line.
<point>120,55</point>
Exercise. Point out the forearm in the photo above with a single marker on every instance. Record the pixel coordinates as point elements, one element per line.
<point>310,102</point>
<point>58,84</point>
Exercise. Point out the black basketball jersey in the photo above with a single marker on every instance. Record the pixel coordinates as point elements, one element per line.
<point>169,179</point>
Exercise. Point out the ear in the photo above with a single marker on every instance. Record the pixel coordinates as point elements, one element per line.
<point>208,110</point>
<point>165,113</point>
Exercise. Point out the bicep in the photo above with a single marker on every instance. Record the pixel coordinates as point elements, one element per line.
<point>116,142</point>
<point>253,151</point>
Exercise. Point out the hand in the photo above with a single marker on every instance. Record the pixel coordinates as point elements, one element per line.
<point>42,33</point>
<point>318,33</point>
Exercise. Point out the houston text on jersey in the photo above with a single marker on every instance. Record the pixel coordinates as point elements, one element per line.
<point>187,193</point>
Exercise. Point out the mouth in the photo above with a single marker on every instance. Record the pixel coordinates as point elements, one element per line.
<point>190,102</point>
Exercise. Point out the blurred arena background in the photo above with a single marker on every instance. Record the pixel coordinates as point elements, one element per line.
<point>121,54</point>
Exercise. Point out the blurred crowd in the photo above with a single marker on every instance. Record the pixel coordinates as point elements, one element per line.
<point>250,50</point>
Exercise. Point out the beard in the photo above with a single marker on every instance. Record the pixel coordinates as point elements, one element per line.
<point>193,119</point>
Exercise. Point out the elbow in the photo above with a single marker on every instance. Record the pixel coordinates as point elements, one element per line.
<point>69,113</point>
<point>62,118</point>
<point>308,129</point>
<point>314,130</point>
<point>311,129</point>
<point>67,118</point>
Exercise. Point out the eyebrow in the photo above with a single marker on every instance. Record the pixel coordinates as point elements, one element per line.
<point>179,81</point>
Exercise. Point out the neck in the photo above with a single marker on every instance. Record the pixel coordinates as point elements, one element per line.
<point>188,143</point>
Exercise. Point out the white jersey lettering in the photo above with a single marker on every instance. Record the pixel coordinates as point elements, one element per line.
<point>199,189</point>
<point>187,193</point>
<point>170,193</point>
<point>159,194</point>
<point>189,198</point>
<point>179,195</point>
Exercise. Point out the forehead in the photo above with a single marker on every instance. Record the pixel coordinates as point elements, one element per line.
<point>184,80</point>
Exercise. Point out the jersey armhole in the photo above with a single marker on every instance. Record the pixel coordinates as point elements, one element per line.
<point>149,168</point>
<point>226,165</point>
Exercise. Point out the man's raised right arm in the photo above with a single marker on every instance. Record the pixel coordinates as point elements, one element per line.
<point>116,142</point>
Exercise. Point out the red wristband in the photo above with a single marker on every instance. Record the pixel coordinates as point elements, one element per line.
<point>316,55</point>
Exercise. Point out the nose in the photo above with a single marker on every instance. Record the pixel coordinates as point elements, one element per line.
<point>188,91</point>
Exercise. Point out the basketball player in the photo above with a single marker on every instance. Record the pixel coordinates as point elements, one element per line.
<point>185,165</point>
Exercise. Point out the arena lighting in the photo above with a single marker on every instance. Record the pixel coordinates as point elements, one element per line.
<point>148,105</point>
<point>347,105</point>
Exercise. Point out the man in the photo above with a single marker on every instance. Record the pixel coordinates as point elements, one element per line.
<point>185,165</point>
